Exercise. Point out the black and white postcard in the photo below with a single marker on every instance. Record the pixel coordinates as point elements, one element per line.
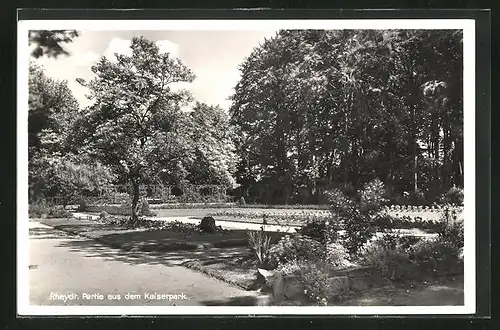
<point>236,167</point>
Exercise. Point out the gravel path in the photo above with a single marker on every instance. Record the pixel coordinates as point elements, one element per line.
<point>82,271</point>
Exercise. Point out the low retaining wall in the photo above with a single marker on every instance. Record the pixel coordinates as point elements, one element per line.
<point>289,287</point>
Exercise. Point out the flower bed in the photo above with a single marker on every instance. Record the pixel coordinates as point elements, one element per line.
<point>175,206</point>
<point>423,220</point>
<point>310,266</point>
<point>285,207</point>
<point>354,247</point>
<point>278,217</point>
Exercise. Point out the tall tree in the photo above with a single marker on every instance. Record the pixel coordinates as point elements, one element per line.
<point>51,110</point>
<point>55,165</point>
<point>347,106</point>
<point>211,137</point>
<point>198,148</point>
<point>50,42</point>
<point>134,101</point>
<point>51,105</point>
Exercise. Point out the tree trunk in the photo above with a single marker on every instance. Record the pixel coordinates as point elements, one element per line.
<point>457,160</point>
<point>287,194</point>
<point>435,141</point>
<point>415,171</point>
<point>135,200</point>
<point>413,142</point>
<point>346,149</point>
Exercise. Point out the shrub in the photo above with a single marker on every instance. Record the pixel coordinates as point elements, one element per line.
<point>355,218</point>
<point>120,221</point>
<point>453,196</point>
<point>104,215</point>
<point>450,229</point>
<point>121,198</point>
<point>337,256</point>
<point>321,229</point>
<point>82,205</point>
<point>44,210</point>
<point>126,204</point>
<point>260,244</point>
<point>37,210</point>
<point>451,234</point>
<point>373,195</point>
<point>439,254</point>
<point>299,247</point>
<point>58,212</point>
<point>145,209</point>
<point>242,200</point>
<point>296,247</point>
<point>388,255</point>
<point>395,255</point>
<point>315,278</point>
<point>311,261</point>
<point>315,230</point>
<point>314,275</point>
<point>291,267</point>
<point>385,221</point>
<point>175,226</point>
<point>434,250</point>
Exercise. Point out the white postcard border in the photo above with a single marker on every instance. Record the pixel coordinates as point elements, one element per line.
<point>468,27</point>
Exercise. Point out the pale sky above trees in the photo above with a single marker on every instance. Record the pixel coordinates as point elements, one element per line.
<point>213,56</point>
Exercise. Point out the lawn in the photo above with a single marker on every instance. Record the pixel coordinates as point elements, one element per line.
<point>151,239</point>
<point>240,271</point>
<point>164,239</point>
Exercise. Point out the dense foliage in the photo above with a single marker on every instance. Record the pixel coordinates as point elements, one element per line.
<point>134,132</point>
<point>43,209</point>
<point>315,108</point>
<point>56,168</point>
<point>355,215</point>
<point>50,42</point>
<point>394,255</point>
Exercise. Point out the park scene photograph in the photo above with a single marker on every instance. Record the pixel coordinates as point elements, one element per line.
<point>280,168</point>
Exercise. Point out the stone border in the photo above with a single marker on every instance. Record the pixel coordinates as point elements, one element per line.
<point>341,282</point>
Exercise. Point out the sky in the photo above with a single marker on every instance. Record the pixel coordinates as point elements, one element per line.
<point>213,56</point>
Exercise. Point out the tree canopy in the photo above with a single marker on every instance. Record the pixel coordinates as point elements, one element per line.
<point>136,130</point>
<point>312,110</point>
<point>50,42</point>
<point>56,168</point>
<point>346,106</point>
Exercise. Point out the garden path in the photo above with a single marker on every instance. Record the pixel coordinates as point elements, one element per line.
<point>64,264</point>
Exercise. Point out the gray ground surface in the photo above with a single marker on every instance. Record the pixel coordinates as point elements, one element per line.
<point>204,212</point>
<point>63,264</point>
